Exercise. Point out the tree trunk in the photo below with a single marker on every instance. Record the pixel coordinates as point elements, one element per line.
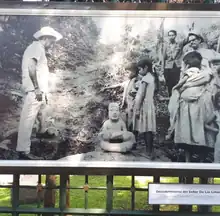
<point>50,193</point>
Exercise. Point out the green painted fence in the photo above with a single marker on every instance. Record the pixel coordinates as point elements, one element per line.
<point>107,188</point>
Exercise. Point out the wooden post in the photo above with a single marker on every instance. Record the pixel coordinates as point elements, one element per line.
<point>50,193</point>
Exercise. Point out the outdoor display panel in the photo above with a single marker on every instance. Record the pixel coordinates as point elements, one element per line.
<point>109,85</point>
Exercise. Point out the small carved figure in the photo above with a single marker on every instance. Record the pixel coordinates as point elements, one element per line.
<point>114,135</point>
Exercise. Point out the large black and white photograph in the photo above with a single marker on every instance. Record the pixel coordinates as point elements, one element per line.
<point>110,88</point>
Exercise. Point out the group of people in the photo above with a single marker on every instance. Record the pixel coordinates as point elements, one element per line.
<point>193,95</point>
<point>138,98</point>
<point>192,78</point>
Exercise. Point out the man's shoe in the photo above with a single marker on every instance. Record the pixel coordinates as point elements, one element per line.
<point>25,156</point>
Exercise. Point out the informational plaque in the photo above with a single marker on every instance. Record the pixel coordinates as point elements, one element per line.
<point>184,194</point>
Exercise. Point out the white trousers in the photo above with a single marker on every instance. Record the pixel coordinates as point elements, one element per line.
<point>30,110</point>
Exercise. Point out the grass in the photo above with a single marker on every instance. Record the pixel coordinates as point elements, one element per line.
<point>97,198</point>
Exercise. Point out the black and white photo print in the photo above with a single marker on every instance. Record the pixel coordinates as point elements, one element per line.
<point>114,87</point>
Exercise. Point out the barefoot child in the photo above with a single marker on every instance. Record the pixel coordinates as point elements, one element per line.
<point>144,116</point>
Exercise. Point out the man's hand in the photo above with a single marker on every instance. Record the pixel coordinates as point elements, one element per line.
<point>39,94</point>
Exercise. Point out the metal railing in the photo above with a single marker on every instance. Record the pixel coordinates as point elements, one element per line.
<point>140,1</point>
<point>186,173</point>
<point>128,1</point>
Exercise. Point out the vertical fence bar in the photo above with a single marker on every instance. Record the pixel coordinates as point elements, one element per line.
<point>62,201</point>
<point>181,181</point>
<point>86,191</point>
<point>189,180</point>
<point>203,209</point>
<point>39,191</point>
<point>185,180</point>
<point>109,193</point>
<point>39,183</point>
<point>133,193</point>
<point>15,194</point>
<point>210,181</point>
<point>156,208</point>
<point>68,192</point>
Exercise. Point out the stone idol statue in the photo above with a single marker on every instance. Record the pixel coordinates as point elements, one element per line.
<point>114,136</point>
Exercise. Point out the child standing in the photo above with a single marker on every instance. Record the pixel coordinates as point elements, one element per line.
<point>130,90</point>
<point>211,125</point>
<point>144,115</point>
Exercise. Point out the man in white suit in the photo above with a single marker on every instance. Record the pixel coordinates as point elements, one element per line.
<point>35,78</point>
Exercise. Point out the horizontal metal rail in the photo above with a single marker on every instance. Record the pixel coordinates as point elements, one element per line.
<point>110,168</point>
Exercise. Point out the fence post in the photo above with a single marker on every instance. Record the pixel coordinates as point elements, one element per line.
<point>156,179</point>
<point>185,180</point>
<point>15,194</point>
<point>109,195</point>
<point>63,196</point>
<point>203,209</point>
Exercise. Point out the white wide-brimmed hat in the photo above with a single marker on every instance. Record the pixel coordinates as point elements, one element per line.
<point>48,31</point>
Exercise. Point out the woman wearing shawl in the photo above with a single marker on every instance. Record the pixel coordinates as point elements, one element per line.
<point>189,106</point>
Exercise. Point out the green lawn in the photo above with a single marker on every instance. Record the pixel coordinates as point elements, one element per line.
<point>97,198</point>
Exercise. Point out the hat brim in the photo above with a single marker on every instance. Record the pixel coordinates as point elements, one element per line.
<point>197,35</point>
<point>54,34</point>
